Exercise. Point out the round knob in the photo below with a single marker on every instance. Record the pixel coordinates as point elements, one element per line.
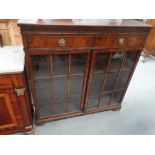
<point>62,42</point>
<point>121,41</point>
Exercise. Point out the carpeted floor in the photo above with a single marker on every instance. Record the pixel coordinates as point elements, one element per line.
<point>137,115</point>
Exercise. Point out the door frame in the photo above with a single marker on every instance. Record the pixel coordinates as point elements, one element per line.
<point>92,66</point>
<point>28,55</point>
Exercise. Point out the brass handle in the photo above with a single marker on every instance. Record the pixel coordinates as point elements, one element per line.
<point>62,42</point>
<point>20,91</point>
<point>121,41</point>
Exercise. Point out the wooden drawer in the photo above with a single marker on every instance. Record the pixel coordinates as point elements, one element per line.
<point>59,41</point>
<point>120,41</point>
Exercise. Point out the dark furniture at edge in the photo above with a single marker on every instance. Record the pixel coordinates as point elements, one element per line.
<point>1,41</point>
<point>15,109</point>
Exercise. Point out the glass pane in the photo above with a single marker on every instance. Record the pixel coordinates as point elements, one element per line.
<point>92,101</point>
<point>76,86</point>
<point>116,97</point>
<point>95,89</point>
<point>61,106</point>
<point>75,103</point>
<point>105,99</point>
<point>110,81</point>
<point>60,95</point>
<point>122,80</point>
<point>43,91</point>
<point>116,61</point>
<point>101,62</point>
<point>78,62</point>
<point>96,83</point>
<point>129,61</point>
<point>41,67</point>
<point>60,64</point>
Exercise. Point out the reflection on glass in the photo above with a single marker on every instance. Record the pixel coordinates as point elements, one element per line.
<point>116,61</point>
<point>41,66</point>
<point>129,61</point>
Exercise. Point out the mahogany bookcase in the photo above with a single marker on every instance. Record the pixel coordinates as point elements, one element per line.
<point>77,67</point>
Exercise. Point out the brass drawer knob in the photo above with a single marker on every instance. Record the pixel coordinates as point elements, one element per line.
<point>121,41</point>
<point>62,42</point>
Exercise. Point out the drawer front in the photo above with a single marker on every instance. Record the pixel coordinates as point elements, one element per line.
<point>59,41</point>
<point>120,41</point>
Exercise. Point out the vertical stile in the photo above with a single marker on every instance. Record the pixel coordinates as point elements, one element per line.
<point>52,84</point>
<point>85,80</point>
<point>104,80</point>
<point>33,84</point>
<point>117,77</point>
<point>90,76</point>
<point>68,83</point>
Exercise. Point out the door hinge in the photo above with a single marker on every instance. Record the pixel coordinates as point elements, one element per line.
<point>20,91</point>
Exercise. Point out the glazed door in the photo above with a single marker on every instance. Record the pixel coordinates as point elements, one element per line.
<point>108,78</point>
<point>59,82</point>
